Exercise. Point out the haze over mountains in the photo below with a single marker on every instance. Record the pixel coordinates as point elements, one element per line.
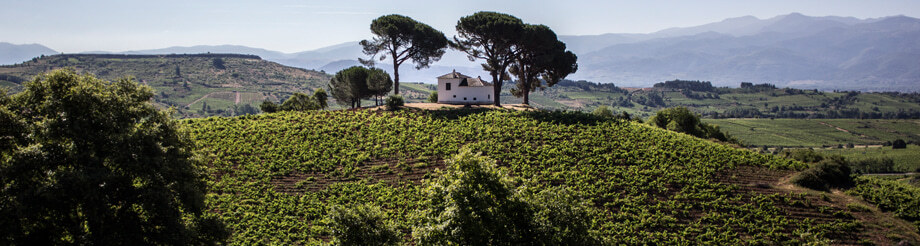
<point>789,50</point>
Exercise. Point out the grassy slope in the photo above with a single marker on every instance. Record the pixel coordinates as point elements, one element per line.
<point>255,79</point>
<point>274,176</point>
<point>906,160</point>
<point>818,132</point>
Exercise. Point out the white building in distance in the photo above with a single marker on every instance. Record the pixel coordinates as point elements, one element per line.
<point>456,88</point>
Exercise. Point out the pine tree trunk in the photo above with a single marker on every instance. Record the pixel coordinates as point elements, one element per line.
<point>496,89</point>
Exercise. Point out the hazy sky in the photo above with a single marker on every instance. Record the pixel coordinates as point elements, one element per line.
<point>299,25</point>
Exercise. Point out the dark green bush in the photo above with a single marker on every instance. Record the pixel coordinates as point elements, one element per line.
<point>433,97</point>
<point>361,225</point>
<point>899,144</point>
<point>393,102</point>
<point>603,111</point>
<point>803,155</point>
<point>829,173</point>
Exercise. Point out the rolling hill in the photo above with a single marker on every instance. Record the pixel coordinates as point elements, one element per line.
<point>195,85</point>
<point>274,177</point>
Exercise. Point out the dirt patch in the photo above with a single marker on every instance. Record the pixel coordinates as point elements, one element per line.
<point>874,225</point>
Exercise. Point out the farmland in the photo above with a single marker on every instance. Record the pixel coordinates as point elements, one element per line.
<point>187,83</point>
<point>273,177</point>
<point>818,132</point>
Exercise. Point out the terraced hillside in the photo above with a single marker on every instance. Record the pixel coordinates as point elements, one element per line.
<point>196,85</point>
<point>274,177</point>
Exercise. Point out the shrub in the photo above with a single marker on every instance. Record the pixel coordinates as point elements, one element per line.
<point>899,144</point>
<point>829,173</point>
<point>361,225</point>
<point>268,107</point>
<point>393,102</point>
<point>603,111</point>
<point>433,97</point>
<point>681,119</point>
<point>873,165</point>
<point>474,202</point>
<point>804,155</point>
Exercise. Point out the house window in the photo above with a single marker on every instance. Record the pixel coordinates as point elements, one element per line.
<point>448,86</point>
<point>488,96</point>
<point>455,96</point>
<point>464,99</point>
<point>474,99</point>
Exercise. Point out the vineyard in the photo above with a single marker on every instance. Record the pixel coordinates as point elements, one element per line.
<point>274,177</point>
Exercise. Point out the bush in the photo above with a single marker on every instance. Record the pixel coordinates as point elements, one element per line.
<point>873,165</point>
<point>85,161</point>
<point>804,155</point>
<point>393,102</point>
<point>474,202</point>
<point>681,119</point>
<point>829,173</point>
<point>433,97</point>
<point>899,144</point>
<point>361,225</point>
<point>603,111</point>
<point>268,107</point>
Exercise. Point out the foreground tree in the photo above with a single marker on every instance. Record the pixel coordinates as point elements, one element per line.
<point>490,36</point>
<point>474,202</point>
<point>401,38</point>
<point>87,161</point>
<point>541,61</point>
<point>361,225</point>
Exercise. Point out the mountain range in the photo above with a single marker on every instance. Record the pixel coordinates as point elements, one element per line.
<point>792,50</point>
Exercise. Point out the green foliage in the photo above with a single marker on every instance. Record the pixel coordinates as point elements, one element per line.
<point>804,155</point>
<point>603,111</point>
<point>433,97</point>
<point>899,144</point>
<point>891,196</point>
<point>680,119</point>
<point>361,225</point>
<point>492,37</point>
<point>541,58</point>
<point>352,84</point>
<point>873,165</point>
<point>403,38</point>
<point>321,98</point>
<point>269,107</point>
<point>218,63</point>
<point>394,102</point>
<point>299,102</point>
<point>87,161</point>
<point>646,185</point>
<point>474,202</point>
<point>829,173</point>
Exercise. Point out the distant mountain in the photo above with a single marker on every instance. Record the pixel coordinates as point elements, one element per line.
<point>17,53</point>
<point>790,50</point>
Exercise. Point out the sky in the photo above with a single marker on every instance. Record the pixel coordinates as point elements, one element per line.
<point>289,26</point>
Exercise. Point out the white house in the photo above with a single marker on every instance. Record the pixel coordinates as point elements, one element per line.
<point>456,88</point>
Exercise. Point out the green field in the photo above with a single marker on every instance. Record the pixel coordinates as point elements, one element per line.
<point>274,177</point>
<point>818,132</point>
<point>905,160</point>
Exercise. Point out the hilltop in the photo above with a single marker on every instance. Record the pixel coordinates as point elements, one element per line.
<point>274,177</point>
<point>195,85</point>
